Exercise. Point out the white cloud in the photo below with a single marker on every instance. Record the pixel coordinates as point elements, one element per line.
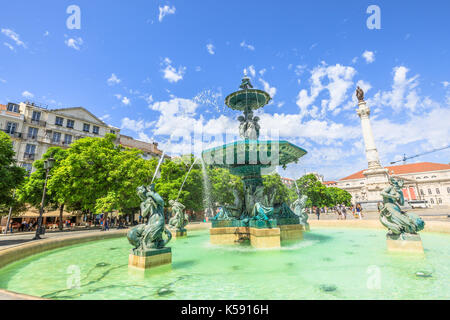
<point>105,117</point>
<point>2,80</point>
<point>46,34</point>
<point>445,84</point>
<point>166,10</point>
<point>126,101</point>
<point>272,91</point>
<point>247,46</point>
<point>14,36</point>
<point>135,126</point>
<point>210,47</point>
<point>27,94</point>
<point>403,94</point>
<point>340,80</point>
<point>369,56</point>
<point>113,80</point>
<point>74,43</point>
<point>10,47</point>
<point>170,73</point>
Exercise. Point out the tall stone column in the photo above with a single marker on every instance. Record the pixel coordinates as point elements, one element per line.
<point>376,176</point>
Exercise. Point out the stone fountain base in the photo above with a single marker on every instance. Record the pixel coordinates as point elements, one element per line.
<point>148,259</point>
<point>257,234</point>
<point>410,243</point>
<point>177,234</point>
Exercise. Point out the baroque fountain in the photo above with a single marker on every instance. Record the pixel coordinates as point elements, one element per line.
<point>255,216</point>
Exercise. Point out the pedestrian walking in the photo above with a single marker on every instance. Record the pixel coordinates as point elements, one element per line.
<point>318,213</point>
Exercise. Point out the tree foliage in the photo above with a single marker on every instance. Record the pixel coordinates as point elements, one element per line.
<point>11,176</point>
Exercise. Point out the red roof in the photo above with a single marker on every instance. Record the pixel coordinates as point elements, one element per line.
<point>406,168</point>
<point>329,182</point>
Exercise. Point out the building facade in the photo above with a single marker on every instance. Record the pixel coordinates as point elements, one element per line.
<point>150,150</point>
<point>423,181</point>
<point>34,129</point>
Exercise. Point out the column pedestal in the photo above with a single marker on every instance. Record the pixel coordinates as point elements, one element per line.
<point>177,234</point>
<point>291,232</point>
<point>148,259</point>
<point>265,238</point>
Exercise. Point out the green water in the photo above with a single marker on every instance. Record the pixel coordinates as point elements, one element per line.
<point>327,264</point>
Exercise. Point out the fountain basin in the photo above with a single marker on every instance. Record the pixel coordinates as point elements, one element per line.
<point>305,270</point>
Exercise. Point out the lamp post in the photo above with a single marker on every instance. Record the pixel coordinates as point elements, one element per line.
<point>48,164</point>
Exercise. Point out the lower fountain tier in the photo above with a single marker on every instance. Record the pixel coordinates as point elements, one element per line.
<point>247,157</point>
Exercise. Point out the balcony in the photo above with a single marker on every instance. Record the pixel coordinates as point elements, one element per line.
<point>36,122</point>
<point>29,156</point>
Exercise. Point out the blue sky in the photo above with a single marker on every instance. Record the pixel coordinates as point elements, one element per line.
<point>162,69</point>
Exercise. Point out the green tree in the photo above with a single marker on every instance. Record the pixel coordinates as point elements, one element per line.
<point>98,176</point>
<point>338,196</point>
<point>314,189</point>
<point>222,183</point>
<point>11,176</point>
<point>31,191</point>
<point>274,187</point>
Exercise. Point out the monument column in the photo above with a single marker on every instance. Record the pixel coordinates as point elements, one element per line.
<point>376,175</point>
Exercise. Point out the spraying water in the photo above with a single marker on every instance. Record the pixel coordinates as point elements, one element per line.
<point>179,192</point>
<point>206,189</point>
<point>159,165</point>
<point>296,186</point>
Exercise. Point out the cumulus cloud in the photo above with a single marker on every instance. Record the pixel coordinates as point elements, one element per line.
<point>339,81</point>
<point>170,73</point>
<point>74,43</point>
<point>164,11</point>
<point>369,56</point>
<point>272,91</point>
<point>113,80</point>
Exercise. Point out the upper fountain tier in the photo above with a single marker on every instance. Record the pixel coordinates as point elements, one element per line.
<point>248,156</point>
<point>247,98</point>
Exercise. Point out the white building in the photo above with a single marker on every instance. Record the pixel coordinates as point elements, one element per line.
<point>34,129</point>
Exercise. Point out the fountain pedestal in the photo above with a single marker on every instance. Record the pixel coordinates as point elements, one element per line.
<point>178,233</point>
<point>265,238</point>
<point>147,259</point>
<point>409,243</point>
<point>291,232</point>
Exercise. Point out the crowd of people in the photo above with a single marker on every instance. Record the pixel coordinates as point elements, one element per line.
<point>341,210</point>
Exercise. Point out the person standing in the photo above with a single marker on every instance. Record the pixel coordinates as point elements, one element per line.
<point>318,213</point>
<point>344,212</point>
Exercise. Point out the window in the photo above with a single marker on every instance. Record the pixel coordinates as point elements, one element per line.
<point>433,176</point>
<point>12,107</point>
<point>95,130</point>
<point>67,139</point>
<point>59,121</point>
<point>426,177</point>
<point>112,131</point>
<point>11,127</point>
<point>429,191</point>
<point>86,127</point>
<point>32,133</point>
<point>30,149</point>
<point>432,201</point>
<point>421,192</point>
<point>439,200</point>
<point>36,116</point>
<point>448,189</point>
<point>438,191</point>
<point>56,137</point>
<point>70,124</point>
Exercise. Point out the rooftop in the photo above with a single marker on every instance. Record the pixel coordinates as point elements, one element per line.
<point>405,169</point>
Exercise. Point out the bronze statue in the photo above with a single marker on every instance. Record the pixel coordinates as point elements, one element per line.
<point>180,218</point>
<point>398,222</point>
<point>360,94</point>
<point>150,235</point>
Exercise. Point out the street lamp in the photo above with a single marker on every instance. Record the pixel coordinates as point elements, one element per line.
<point>48,164</point>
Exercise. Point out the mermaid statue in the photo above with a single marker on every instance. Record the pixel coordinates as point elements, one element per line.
<point>300,210</point>
<point>149,236</point>
<point>400,224</point>
<point>180,218</point>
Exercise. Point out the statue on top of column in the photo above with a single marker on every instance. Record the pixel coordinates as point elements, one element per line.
<point>360,94</point>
